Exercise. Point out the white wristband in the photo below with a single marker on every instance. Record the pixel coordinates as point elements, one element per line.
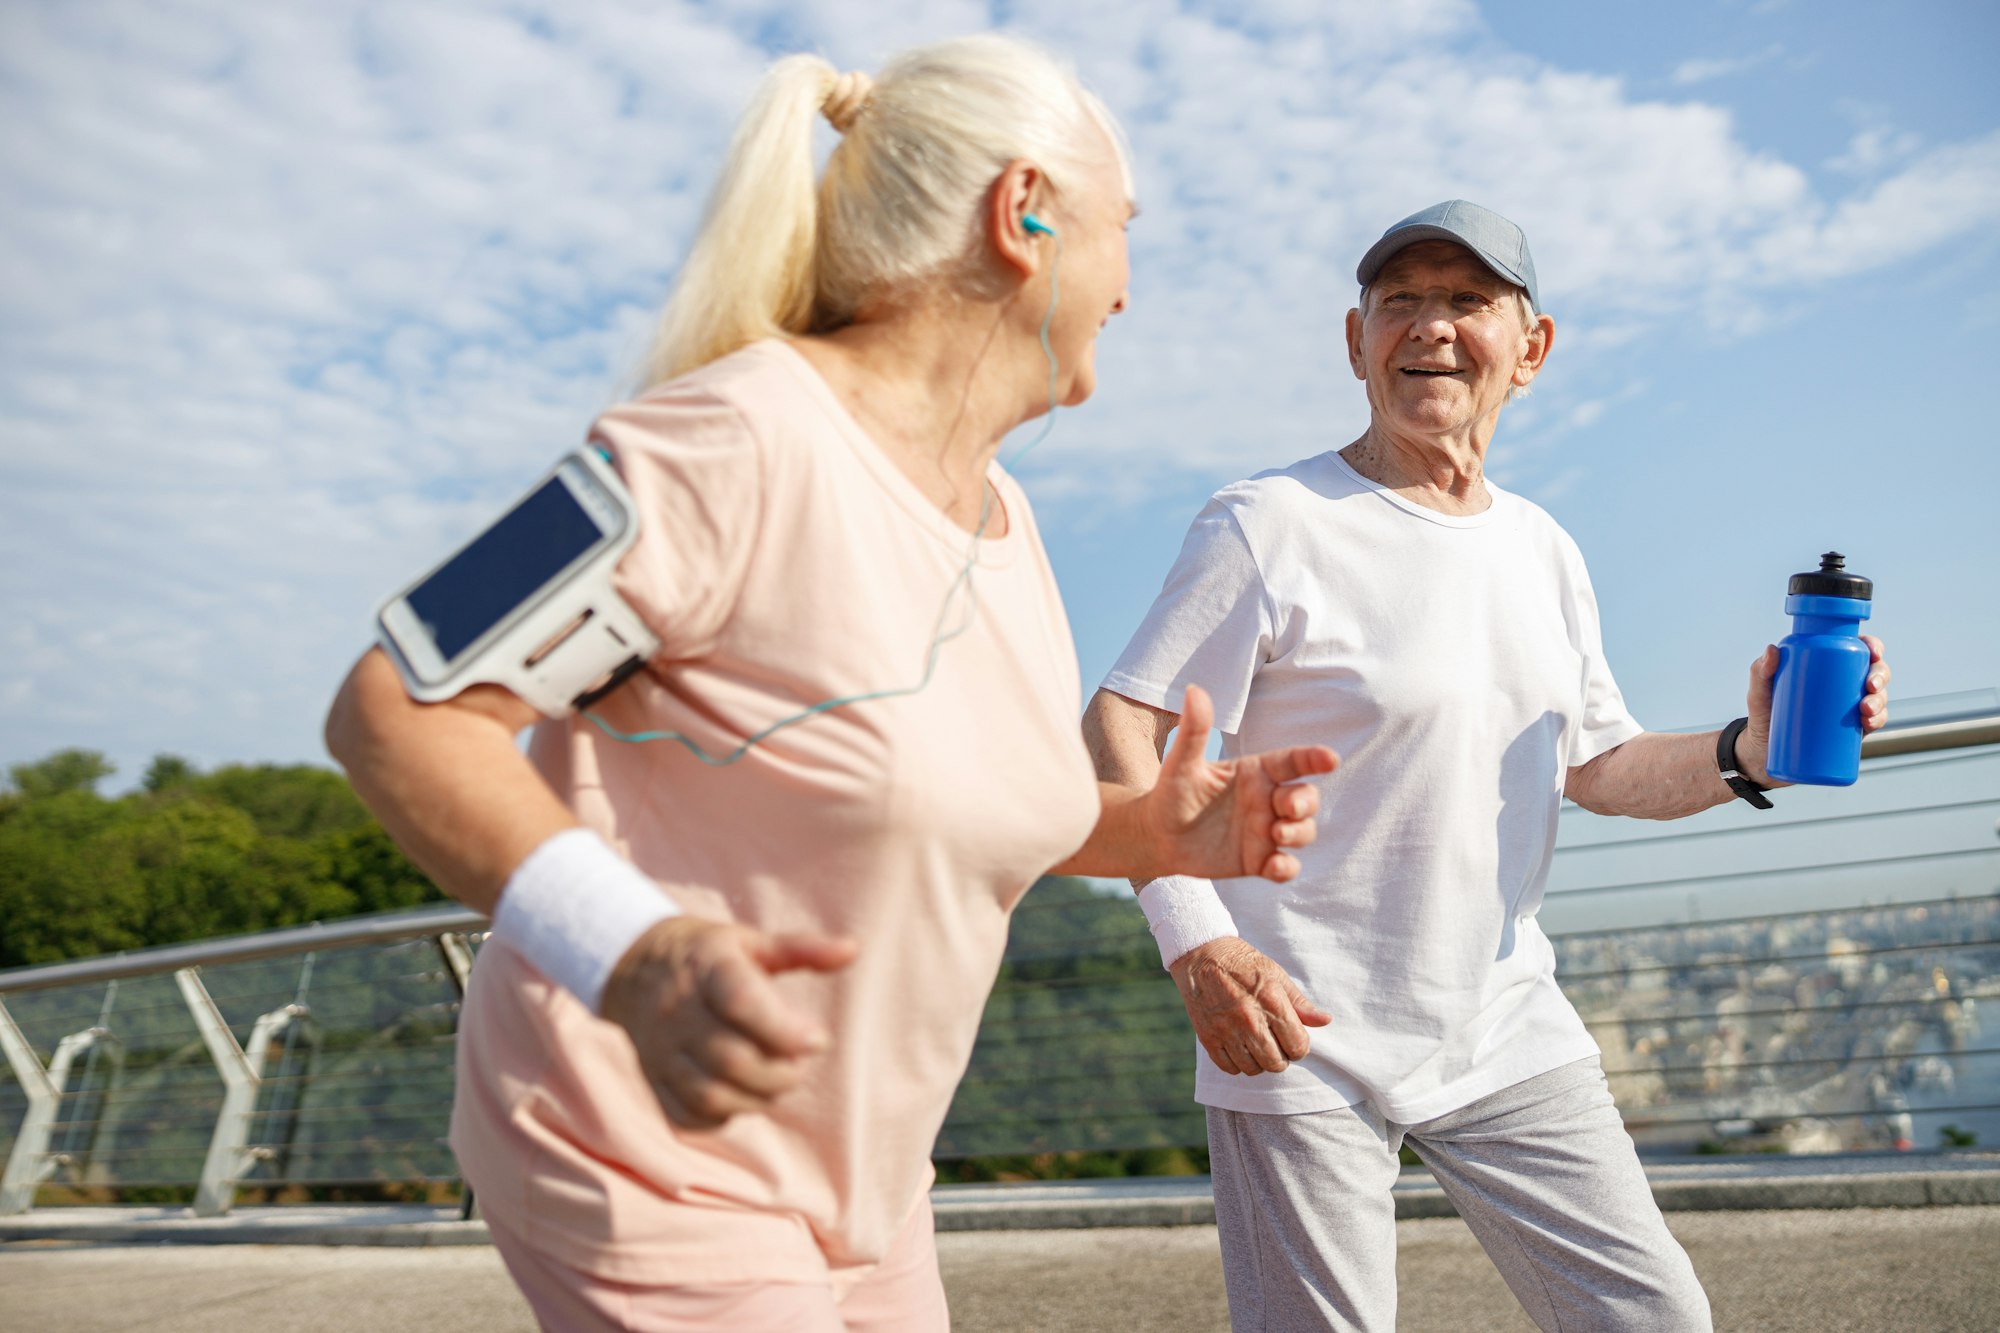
<point>574,907</point>
<point>1184,913</point>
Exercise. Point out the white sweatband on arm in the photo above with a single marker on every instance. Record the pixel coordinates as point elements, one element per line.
<point>574,907</point>
<point>1184,913</point>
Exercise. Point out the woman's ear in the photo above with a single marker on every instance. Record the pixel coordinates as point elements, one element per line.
<point>1020,189</point>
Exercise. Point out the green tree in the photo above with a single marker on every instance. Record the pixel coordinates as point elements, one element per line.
<point>290,800</point>
<point>63,892</point>
<point>191,855</point>
<point>365,863</point>
<point>63,771</point>
<point>167,772</point>
<point>196,858</point>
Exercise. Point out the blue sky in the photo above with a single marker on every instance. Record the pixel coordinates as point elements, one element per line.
<point>296,296</point>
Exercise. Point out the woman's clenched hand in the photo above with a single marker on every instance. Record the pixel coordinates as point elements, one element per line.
<point>714,1037</point>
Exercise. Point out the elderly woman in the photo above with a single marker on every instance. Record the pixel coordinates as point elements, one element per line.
<point>1388,600</point>
<point>711,1040</point>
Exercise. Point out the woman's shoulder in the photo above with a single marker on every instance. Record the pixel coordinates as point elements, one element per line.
<point>749,401</point>
<point>740,381</point>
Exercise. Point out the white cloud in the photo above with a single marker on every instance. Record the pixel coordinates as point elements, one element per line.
<point>1707,69</point>
<point>1873,149</point>
<point>1952,191</point>
<point>295,294</point>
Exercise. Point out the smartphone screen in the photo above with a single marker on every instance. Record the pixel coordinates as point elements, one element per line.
<point>537,540</point>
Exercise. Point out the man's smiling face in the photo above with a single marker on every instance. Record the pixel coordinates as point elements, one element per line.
<point>1440,341</point>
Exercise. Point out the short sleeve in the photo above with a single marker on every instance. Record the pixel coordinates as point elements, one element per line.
<point>1208,627</point>
<point>1605,723</point>
<point>695,471</point>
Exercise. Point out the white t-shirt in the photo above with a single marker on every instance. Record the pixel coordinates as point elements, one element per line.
<point>1456,666</point>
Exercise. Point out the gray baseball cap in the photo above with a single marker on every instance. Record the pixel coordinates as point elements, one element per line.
<point>1500,245</point>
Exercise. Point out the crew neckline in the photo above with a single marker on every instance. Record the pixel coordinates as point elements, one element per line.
<point>1409,506</point>
<point>992,550</point>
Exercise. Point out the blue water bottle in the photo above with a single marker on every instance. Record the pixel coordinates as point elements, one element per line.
<point>1822,670</point>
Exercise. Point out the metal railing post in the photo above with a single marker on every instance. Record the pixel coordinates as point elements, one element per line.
<point>27,1164</point>
<point>31,1162</point>
<point>456,950</point>
<point>230,1156</point>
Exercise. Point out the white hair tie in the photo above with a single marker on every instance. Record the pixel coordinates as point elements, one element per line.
<point>847,99</point>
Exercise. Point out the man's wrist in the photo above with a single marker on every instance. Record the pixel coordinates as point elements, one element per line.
<point>1753,752</point>
<point>1742,782</point>
<point>574,907</point>
<point>1184,913</point>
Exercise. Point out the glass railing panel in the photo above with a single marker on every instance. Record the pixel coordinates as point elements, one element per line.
<point>13,1108</point>
<point>1915,828</point>
<point>1085,1046</point>
<point>356,1087</point>
<point>358,1082</point>
<point>1823,976</point>
<point>1929,708</point>
<point>138,1106</point>
<point>1851,1018</point>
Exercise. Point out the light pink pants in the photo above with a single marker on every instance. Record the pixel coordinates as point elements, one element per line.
<point>902,1294</point>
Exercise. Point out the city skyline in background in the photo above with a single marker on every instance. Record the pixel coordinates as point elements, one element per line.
<point>297,300</point>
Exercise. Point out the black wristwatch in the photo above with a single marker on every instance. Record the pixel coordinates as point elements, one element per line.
<point>1725,760</point>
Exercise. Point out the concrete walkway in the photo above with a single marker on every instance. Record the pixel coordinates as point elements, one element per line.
<point>1731,1184</point>
<point>1830,1271</point>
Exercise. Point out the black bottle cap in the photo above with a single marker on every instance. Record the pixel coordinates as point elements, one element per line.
<point>1831,579</point>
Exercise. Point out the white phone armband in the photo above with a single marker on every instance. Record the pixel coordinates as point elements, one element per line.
<point>529,602</point>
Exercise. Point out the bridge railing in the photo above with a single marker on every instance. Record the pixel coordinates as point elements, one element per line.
<point>314,1056</point>
<point>1822,976</point>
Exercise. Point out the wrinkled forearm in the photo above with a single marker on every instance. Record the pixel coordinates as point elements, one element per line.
<point>1125,739</point>
<point>1654,775</point>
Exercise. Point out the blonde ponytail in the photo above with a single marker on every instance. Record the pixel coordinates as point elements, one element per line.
<point>899,206</point>
<point>749,273</point>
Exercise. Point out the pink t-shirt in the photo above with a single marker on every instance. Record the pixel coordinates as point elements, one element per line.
<point>785,561</point>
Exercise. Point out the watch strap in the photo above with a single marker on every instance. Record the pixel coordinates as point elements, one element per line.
<point>1725,762</point>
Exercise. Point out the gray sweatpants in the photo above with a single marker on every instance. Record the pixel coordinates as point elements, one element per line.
<point>1543,1172</point>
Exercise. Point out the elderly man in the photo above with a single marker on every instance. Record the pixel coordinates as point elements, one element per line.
<point>1387,600</point>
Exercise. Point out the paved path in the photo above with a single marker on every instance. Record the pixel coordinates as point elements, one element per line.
<point>1930,1269</point>
<point>1730,1184</point>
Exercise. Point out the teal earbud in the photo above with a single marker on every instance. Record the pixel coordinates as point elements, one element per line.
<point>1034,226</point>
